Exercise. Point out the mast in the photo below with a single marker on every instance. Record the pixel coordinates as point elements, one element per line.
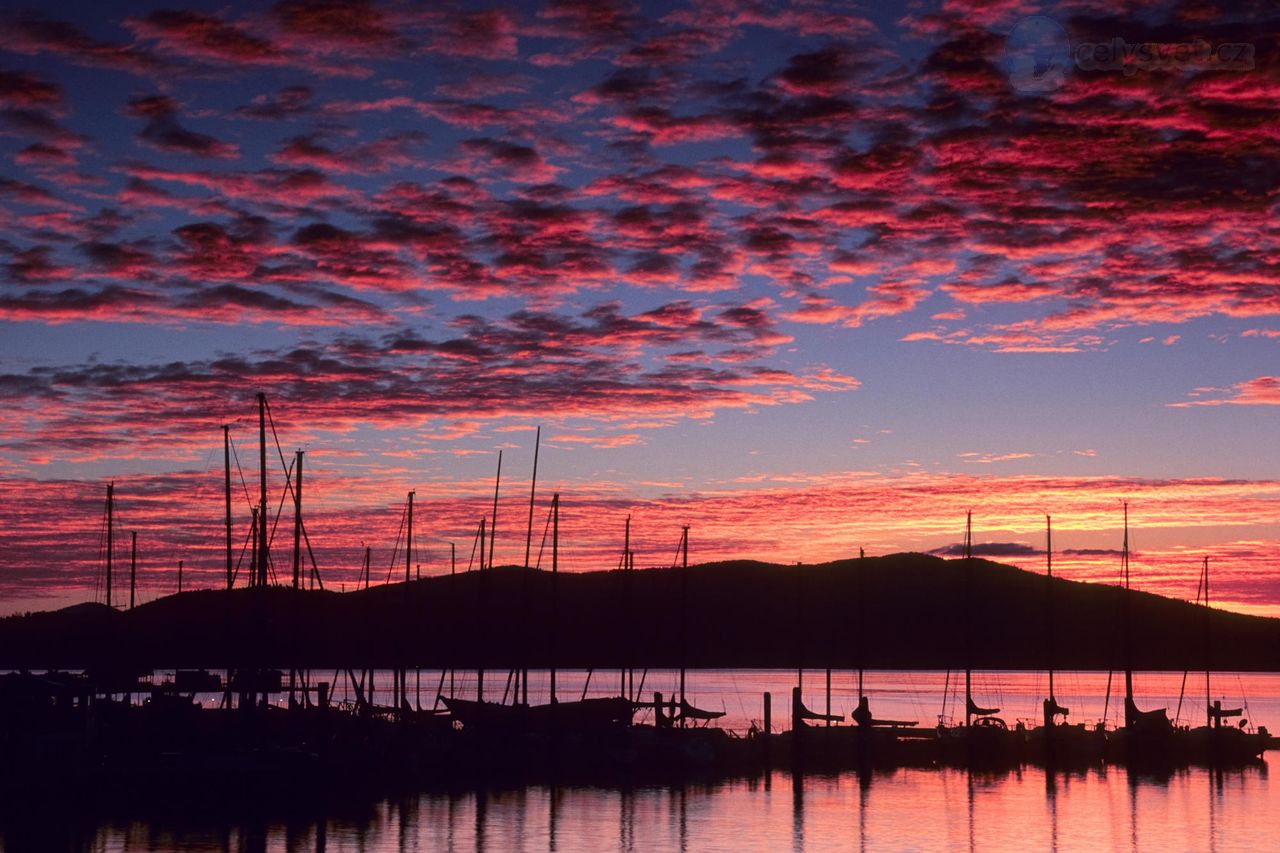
<point>368,553</point>
<point>968,626</point>
<point>684,615</point>
<point>482,590</point>
<point>111,508</point>
<point>263,546</point>
<point>1208,703</point>
<point>626,567</point>
<point>297,522</point>
<point>180,575</point>
<point>408,543</point>
<point>493,528</point>
<point>1048,599</point>
<point>860,580</point>
<point>1129,716</point>
<point>555,598</point>
<point>1051,707</point>
<point>226,467</point>
<point>533,485</point>
<point>401,674</point>
<point>133,568</point>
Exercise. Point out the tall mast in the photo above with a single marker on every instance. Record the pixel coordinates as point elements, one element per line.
<point>862,617</point>
<point>263,546</point>
<point>482,591</point>
<point>1129,716</point>
<point>626,567</point>
<point>408,542</point>
<point>111,508</point>
<point>297,522</point>
<point>684,615</point>
<point>968,618</point>
<point>226,467</point>
<point>1048,596</point>
<point>133,569</point>
<point>555,600</point>
<point>533,485</point>
<point>368,553</point>
<point>493,528</point>
<point>1208,704</point>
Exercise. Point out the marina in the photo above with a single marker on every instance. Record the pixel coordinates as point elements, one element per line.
<point>112,715</point>
<point>952,808</point>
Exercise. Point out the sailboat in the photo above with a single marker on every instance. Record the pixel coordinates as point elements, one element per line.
<point>1148,737</point>
<point>679,711</point>
<point>1055,742</point>
<point>555,716</point>
<point>862,714</point>
<point>1219,743</point>
<point>801,715</point>
<point>985,739</point>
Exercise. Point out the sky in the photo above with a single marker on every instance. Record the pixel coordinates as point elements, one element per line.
<point>806,277</point>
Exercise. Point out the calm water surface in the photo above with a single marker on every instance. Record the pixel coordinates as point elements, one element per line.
<point>906,810</point>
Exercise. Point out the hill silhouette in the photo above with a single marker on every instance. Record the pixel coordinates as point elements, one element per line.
<point>898,611</point>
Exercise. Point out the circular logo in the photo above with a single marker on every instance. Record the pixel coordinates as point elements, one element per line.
<point>1037,55</point>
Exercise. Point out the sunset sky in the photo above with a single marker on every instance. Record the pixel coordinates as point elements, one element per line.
<point>806,277</point>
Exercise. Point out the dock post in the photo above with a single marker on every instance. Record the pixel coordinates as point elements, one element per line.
<point>660,720</point>
<point>797,711</point>
<point>768,713</point>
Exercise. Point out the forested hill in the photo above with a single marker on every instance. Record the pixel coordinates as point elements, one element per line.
<point>898,611</point>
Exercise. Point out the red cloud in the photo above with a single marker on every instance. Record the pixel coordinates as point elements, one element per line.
<point>1259,391</point>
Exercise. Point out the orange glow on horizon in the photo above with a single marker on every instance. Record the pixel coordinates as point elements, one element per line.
<point>1173,524</point>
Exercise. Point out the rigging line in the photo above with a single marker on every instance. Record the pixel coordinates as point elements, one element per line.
<point>1244,699</point>
<point>395,552</point>
<point>946,689</point>
<point>276,439</point>
<point>279,510</point>
<point>100,573</point>
<point>288,475</point>
<point>543,544</point>
<point>1183,689</point>
<point>475,541</point>
<point>243,485</point>
<point>243,548</point>
<point>314,568</point>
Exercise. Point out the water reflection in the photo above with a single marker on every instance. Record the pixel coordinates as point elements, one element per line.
<point>1051,804</point>
<point>797,810</point>
<point>906,809</point>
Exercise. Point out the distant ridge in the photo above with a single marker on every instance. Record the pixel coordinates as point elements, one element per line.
<point>740,614</point>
